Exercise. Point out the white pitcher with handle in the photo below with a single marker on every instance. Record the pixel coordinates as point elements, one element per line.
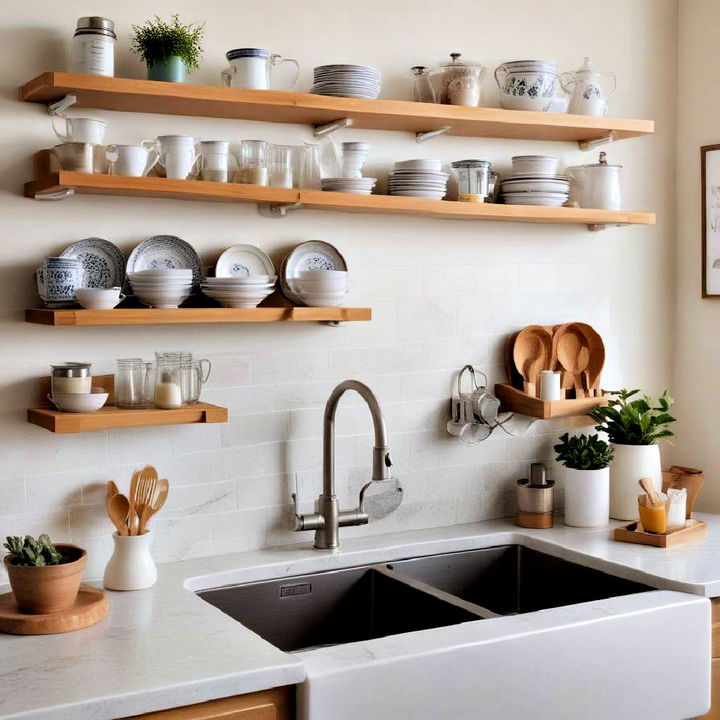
<point>596,186</point>
<point>82,130</point>
<point>589,89</point>
<point>252,68</point>
<point>179,157</point>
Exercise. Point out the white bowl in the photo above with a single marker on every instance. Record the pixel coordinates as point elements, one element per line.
<point>98,298</point>
<point>314,274</point>
<point>249,280</point>
<point>165,299</point>
<point>80,402</point>
<point>172,285</point>
<point>536,186</point>
<point>419,164</point>
<point>322,300</point>
<point>535,165</point>
<point>162,272</point>
<point>312,286</point>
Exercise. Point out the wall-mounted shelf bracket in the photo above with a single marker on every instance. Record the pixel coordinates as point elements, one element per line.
<point>596,227</point>
<point>334,323</point>
<point>279,209</point>
<point>331,127</point>
<point>58,195</point>
<point>60,106</point>
<point>592,144</point>
<point>423,136</point>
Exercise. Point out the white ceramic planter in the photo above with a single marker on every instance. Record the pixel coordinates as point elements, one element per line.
<point>630,463</point>
<point>587,496</point>
<point>131,566</point>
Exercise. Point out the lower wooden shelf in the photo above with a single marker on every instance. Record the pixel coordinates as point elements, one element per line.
<point>514,400</point>
<point>183,316</point>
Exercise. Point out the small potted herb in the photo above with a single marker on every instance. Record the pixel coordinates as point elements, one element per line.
<point>170,50</point>
<point>633,427</point>
<point>586,477</point>
<point>45,578</point>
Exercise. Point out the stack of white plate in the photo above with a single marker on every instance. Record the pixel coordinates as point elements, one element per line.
<point>354,81</point>
<point>356,185</point>
<point>162,287</point>
<point>418,178</point>
<point>535,181</point>
<point>239,292</point>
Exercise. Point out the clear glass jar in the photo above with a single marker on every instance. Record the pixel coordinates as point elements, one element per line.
<point>93,47</point>
<point>475,181</point>
<point>460,81</point>
<point>422,90</point>
<point>168,386</point>
<point>149,385</point>
<point>130,383</point>
<point>281,166</point>
<point>253,163</point>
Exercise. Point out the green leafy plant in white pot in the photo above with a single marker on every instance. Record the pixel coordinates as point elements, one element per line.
<point>585,473</point>
<point>634,428</point>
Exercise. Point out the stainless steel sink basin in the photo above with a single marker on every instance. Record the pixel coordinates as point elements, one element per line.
<point>345,606</point>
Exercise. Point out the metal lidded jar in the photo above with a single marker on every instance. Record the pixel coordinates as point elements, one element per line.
<point>93,46</point>
<point>475,181</point>
<point>70,378</point>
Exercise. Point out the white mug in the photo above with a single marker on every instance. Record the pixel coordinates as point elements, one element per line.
<point>178,155</point>
<point>83,130</point>
<point>252,68</point>
<point>131,160</point>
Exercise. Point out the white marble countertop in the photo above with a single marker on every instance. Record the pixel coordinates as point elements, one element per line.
<point>165,647</point>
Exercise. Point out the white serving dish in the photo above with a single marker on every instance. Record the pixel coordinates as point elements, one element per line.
<point>537,165</point>
<point>98,298</point>
<point>80,402</point>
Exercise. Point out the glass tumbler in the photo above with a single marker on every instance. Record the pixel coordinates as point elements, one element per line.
<point>253,163</point>
<point>130,383</point>
<point>281,166</point>
<point>193,378</point>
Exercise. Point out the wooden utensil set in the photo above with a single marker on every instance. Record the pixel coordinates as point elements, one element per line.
<point>131,514</point>
<point>574,349</point>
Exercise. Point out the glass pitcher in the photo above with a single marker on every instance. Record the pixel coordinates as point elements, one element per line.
<point>251,68</point>
<point>193,379</point>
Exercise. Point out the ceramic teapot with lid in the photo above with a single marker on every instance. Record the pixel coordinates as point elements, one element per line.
<point>589,89</point>
<point>459,81</point>
<point>596,186</point>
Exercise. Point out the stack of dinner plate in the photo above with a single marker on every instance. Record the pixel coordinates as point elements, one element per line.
<point>418,178</point>
<point>239,292</point>
<point>354,81</point>
<point>357,186</point>
<point>535,181</point>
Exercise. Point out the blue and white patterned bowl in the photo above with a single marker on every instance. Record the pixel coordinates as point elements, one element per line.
<point>527,85</point>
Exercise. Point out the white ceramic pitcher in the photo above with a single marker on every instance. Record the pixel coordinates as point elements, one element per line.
<point>178,155</point>
<point>252,68</point>
<point>131,160</point>
<point>596,185</point>
<point>82,130</point>
<point>589,89</point>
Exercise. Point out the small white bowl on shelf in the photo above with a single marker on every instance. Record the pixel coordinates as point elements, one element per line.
<point>99,298</point>
<point>80,402</point>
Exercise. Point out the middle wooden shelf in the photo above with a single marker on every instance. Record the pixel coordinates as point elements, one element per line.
<point>65,182</point>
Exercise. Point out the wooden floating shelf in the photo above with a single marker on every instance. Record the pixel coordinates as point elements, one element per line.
<point>165,98</point>
<point>514,400</point>
<point>153,187</point>
<point>183,316</point>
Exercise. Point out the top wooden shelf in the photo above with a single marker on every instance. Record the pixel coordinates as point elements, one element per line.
<point>92,91</point>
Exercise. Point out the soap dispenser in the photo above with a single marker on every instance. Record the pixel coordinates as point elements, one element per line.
<point>535,499</point>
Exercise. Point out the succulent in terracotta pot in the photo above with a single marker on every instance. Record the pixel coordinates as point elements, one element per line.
<point>45,578</point>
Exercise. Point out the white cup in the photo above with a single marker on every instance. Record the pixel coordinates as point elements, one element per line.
<point>178,155</point>
<point>99,298</point>
<point>131,160</point>
<point>83,130</point>
<point>215,160</point>
<point>549,385</point>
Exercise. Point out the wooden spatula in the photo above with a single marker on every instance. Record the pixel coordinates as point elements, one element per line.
<point>118,508</point>
<point>647,485</point>
<point>149,510</point>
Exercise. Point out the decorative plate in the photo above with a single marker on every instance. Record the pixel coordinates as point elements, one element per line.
<point>243,261</point>
<point>311,255</point>
<point>165,251</point>
<point>103,262</point>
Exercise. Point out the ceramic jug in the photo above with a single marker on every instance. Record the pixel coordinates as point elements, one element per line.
<point>596,185</point>
<point>252,68</point>
<point>131,566</point>
<point>589,89</point>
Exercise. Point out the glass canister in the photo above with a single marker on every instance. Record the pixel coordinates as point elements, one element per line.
<point>422,90</point>
<point>281,166</point>
<point>476,183</point>
<point>460,81</point>
<point>70,378</point>
<point>93,47</point>
<point>215,156</point>
<point>253,163</point>
<point>168,386</point>
<point>130,383</point>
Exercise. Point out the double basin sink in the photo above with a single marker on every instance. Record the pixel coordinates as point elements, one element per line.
<point>496,632</point>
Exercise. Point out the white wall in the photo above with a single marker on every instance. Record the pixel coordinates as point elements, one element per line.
<point>697,341</point>
<point>443,293</point>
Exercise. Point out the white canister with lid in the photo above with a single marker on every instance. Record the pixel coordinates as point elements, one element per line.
<point>70,378</point>
<point>93,47</point>
<point>596,186</point>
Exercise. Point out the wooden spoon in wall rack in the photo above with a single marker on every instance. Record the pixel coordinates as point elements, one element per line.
<point>573,356</point>
<point>531,354</point>
<point>118,509</point>
<point>596,364</point>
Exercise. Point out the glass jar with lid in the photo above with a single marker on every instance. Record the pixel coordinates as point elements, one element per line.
<point>253,163</point>
<point>93,47</point>
<point>459,81</point>
<point>476,183</point>
<point>423,90</point>
<point>70,378</point>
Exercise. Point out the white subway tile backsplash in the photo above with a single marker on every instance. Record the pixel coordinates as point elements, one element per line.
<point>53,490</point>
<point>202,499</point>
<point>12,495</point>
<point>253,429</point>
<point>421,318</point>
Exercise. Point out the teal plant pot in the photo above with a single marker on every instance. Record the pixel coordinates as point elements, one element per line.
<point>170,69</point>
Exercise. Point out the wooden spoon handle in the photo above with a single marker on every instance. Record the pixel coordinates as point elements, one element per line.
<point>649,488</point>
<point>145,515</point>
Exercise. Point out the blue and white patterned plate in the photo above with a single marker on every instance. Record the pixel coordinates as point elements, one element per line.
<point>104,262</point>
<point>243,261</point>
<point>311,255</point>
<point>165,251</point>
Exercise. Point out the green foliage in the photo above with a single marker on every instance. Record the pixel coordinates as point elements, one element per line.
<point>642,421</point>
<point>29,551</point>
<point>583,452</point>
<point>159,40</point>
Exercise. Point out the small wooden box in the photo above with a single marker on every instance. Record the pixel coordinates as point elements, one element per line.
<point>634,533</point>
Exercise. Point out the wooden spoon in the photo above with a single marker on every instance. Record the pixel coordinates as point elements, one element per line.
<point>132,496</point>
<point>647,485</point>
<point>112,489</point>
<point>569,345</point>
<point>118,508</point>
<point>531,354</point>
<point>151,509</point>
<point>597,358</point>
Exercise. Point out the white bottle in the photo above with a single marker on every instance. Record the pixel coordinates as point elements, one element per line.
<point>93,47</point>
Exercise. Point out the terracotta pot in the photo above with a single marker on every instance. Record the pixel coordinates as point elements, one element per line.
<point>49,588</point>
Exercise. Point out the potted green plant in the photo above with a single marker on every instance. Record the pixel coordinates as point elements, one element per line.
<point>633,427</point>
<point>44,578</point>
<point>585,461</point>
<point>169,49</point>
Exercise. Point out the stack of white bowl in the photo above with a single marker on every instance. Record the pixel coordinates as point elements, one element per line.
<point>535,181</point>
<point>162,288</point>
<point>321,288</point>
<point>239,292</point>
<point>418,178</point>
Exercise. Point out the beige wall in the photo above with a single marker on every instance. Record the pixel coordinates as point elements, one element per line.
<point>697,340</point>
<point>443,293</point>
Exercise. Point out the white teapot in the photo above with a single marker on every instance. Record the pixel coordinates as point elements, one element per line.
<point>589,89</point>
<point>596,186</point>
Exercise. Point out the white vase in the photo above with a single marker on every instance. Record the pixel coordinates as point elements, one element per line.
<point>131,566</point>
<point>587,496</point>
<point>630,463</point>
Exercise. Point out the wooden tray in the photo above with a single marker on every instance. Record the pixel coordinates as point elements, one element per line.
<point>514,400</point>
<point>90,607</point>
<point>634,533</point>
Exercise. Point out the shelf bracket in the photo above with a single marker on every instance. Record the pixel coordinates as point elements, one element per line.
<point>423,136</point>
<point>280,209</point>
<point>597,227</point>
<point>58,195</point>
<point>331,127</point>
<point>334,323</point>
<point>592,144</point>
<point>60,106</point>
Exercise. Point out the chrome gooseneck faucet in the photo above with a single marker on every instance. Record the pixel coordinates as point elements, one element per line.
<point>328,518</point>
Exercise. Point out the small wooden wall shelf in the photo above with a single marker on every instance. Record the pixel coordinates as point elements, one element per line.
<point>514,400</point>
<point>147,96</point>
<point>183,316</point>
<point>153,187</point>
<point>113,417</point>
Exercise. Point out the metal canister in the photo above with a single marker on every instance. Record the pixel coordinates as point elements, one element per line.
<point>93,46</point>
<point>70,378</point>
<point>536,500</point>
